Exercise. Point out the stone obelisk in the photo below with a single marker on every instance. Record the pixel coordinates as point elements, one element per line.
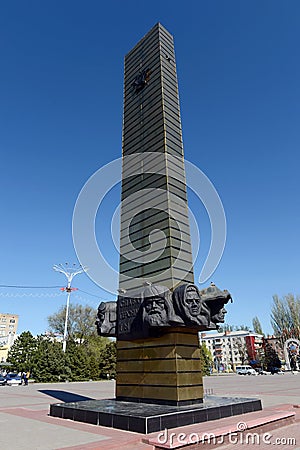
<point>165,369</point>
<point>153,184</point>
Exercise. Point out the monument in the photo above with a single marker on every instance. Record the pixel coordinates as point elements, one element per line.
<point>159,311</point>
<point>152,136</point>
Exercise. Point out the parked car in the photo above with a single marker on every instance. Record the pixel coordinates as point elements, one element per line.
<point>13,379</point>
<point>274,370</point>
<point>245,370</point>
<point>2,380</point>
<point>260,371</point>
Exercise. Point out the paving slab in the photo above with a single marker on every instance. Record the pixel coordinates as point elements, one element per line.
<point>26,424</point>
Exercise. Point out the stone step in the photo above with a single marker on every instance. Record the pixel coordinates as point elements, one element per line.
<point>218,432</point>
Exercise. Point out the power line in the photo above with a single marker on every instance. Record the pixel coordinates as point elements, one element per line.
<point>93,295</point>
<point>29,294</point>
<point>28,287</point>
<point>85,300</point>
<point>47,287</point>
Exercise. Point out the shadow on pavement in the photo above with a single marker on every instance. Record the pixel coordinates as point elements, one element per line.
<point>64,395</point>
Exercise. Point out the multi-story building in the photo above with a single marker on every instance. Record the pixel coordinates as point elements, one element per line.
<point>255,347</point>
<point>233,348</point>
<point>8,324</point>
<point>8,331</point>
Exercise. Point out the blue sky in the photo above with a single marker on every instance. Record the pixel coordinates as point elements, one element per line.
<point>61,94</point>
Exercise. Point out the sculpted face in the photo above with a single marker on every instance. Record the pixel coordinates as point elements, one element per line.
<point>218,312</point>
<point>220,316</point>
<point>155,312</point>
<point>189,305</point>
<point>100,318</point>
<point>154,305</point>
<point>192,301</point>
<point>106,318</point>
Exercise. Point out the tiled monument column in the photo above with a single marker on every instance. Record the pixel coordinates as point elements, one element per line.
<point>165,368</point>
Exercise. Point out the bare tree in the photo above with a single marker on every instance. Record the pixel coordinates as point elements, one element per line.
<point>81,321</point>
<point>257,328</point>
<point>285,316</point>
<point>241,348</point>
<point>227,327</point>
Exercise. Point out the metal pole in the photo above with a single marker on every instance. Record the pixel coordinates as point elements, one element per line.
<point>70,274</point>
<point>67,316</point>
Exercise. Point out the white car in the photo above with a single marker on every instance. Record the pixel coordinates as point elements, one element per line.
<point>245,370</point>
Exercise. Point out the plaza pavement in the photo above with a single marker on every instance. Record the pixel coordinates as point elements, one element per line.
<point>26,425</point>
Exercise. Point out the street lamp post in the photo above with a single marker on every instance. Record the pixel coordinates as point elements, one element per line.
<point>70,273</point>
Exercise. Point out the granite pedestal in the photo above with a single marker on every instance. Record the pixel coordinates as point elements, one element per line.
<point>148,418</point>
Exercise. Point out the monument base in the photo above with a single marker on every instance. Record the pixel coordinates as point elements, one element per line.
<point>148,418</point>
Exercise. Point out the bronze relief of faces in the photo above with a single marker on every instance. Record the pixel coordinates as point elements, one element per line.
<point>158,307</point>
<point>106,319</point>
<point>192,301</point>
<point>218,312</point>
<point>155,313</point>
<point>190,307</point>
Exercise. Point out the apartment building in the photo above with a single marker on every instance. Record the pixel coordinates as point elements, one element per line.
<point>233,348</point>
<point>8,331</point>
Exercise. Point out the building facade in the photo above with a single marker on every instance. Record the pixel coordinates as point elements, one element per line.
<point>255,347</point>
<point>8,331</point>
<point>233,348</point>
